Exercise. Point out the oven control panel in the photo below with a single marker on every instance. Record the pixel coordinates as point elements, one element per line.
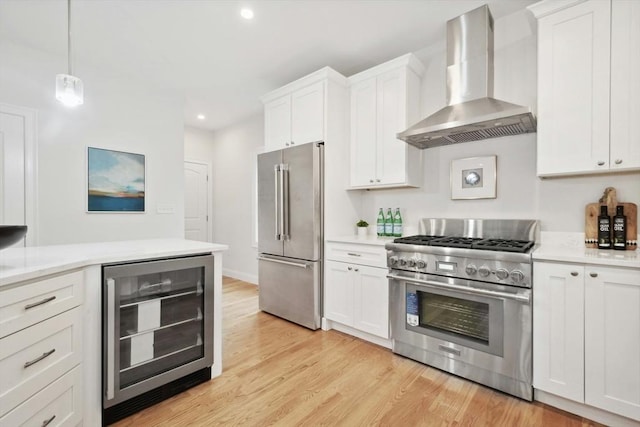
<point>505,272</point>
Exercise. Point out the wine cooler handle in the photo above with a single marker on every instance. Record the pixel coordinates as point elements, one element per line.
<point>111,306</point>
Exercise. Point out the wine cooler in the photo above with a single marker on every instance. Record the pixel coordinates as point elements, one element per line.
<point>157,331</point>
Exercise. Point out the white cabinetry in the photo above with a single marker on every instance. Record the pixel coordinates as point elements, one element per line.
<point>588,63</point>
<point>296,113</point>
<point>41,352</point>
<point>356,292</point>
<point>385,101</point>
<point>587,335</point>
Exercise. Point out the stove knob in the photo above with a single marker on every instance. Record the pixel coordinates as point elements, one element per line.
<point>403,261</point>
<point>502,273</point>
<point>471,269</point>
<point>393,260</point>
<point>412,262</point>
<point>484,271</point>
<point>422,264</point>
<point>517,276</point>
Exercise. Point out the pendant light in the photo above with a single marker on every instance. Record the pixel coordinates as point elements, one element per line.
<point>69,89</point>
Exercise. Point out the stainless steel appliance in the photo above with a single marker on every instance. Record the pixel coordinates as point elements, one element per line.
<point>460,299</point>
<point>471,114</point>
<point>290,233</point>
<point>157,331</point>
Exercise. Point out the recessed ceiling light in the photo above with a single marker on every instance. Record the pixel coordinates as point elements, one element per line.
<point>246,13</point>
<point>201,117</point>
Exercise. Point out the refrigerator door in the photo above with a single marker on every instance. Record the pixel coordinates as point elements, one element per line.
<point>269,203</point>
<point>302,193</point>
<point>291,289</point>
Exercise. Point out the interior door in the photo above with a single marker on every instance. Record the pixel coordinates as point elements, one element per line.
<point>196,201</point>
<point>303,204</point>
<point>268,202</point>
<point>17,169</point>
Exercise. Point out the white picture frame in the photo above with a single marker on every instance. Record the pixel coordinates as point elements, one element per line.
<point>473,178</point>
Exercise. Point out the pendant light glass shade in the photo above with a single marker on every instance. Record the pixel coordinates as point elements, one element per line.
<point>69,90</point>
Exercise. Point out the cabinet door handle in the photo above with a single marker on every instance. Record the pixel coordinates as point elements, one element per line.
<point>349,268</point>
<point>593,274</point>
<point>371,180</point>
<point>35,304</point>
<point>618,161</point>
<point>39,358</point>
<point>574,273</point>
<point>355,269</point>
<point>377,180</point>
<point>45,423</point>
<point>600,163</point>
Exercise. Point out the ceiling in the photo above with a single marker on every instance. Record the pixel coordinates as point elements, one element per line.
<point>220,62</point>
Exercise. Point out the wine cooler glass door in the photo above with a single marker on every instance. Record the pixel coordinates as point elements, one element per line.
<point>157,322</point>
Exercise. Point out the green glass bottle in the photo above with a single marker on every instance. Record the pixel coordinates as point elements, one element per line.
<point>397,224</point>
<point>380,223</point>
<point>388,223</point>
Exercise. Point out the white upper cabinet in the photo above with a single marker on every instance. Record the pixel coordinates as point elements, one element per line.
<point>297,113</point>
<point>385,101</point>
<point>587,90</point>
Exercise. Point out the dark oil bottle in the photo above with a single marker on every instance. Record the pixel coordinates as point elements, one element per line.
<point>604,229</point>
<point>620,229</point>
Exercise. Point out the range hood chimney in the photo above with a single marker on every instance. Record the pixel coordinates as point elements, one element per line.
<point>472,114</point>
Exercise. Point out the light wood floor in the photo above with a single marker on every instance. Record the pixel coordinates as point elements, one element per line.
<point>277,373</point>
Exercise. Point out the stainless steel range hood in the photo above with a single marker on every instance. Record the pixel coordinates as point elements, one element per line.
<point>472,113</point>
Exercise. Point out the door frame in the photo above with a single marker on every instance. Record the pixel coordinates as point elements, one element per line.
<point>30,116</point>
<point>209,196</point>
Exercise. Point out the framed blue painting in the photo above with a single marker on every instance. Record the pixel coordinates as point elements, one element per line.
<point>116,181</point>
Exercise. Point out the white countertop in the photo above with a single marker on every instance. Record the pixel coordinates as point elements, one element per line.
<point>19,264</point>
<point>371,239</point>
<point>582,255</point>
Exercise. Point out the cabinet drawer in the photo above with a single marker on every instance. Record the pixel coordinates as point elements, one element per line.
<point>26,305</point>
<point>59,404</point>
<point>34,357</point>
<point>372,255</point>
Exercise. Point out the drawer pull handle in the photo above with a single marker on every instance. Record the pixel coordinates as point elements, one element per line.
<point>352,254</point>
<point>574,273</point>
<point>38,359</point>
<point>593,274</point>
<point>35,304</point>
<point>45,423</point>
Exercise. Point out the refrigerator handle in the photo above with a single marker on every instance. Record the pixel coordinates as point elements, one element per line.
<point>111,307</point>
<point>285,201</point>
<point>276,179</point>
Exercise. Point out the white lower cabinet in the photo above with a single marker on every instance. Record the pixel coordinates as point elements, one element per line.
<point>586,335</point>
<point>356,290</point>
<point>358,296</point>
<point>41,352</point>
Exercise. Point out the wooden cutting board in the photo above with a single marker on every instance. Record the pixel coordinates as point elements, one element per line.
<point>591,223</point>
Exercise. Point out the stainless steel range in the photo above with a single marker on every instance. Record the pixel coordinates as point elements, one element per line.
<point>460,299</point>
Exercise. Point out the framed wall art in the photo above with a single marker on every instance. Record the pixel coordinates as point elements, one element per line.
<point>473,178</point>
<point>115,181</point>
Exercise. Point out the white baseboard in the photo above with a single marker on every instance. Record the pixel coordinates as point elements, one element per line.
<point>253,279</point>
<point>585,411</point>
<point>329,324</point>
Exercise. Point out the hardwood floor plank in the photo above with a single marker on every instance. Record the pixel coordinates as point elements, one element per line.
<point>277,373</point>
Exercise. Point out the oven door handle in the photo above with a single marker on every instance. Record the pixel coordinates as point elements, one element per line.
<point>466,289</point>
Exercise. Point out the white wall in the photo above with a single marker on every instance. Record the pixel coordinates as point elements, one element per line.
<point>558,203</point>
<point>198,144</point>
<point>233,165</point>
<point>116,115</point>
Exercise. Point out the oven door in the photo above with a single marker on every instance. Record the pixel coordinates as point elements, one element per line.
<point>477,330</point>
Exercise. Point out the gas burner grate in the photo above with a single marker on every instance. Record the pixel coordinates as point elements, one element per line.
<point>503,245</point>
<point>416,240</point>
<point>455,242</point>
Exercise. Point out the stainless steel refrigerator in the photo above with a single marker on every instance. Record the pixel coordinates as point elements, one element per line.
<point>290,233</point>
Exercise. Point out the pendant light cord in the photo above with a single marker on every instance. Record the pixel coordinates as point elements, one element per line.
<point>69,36</point>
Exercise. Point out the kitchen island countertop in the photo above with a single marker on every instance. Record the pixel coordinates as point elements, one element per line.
<point>21,264</point>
